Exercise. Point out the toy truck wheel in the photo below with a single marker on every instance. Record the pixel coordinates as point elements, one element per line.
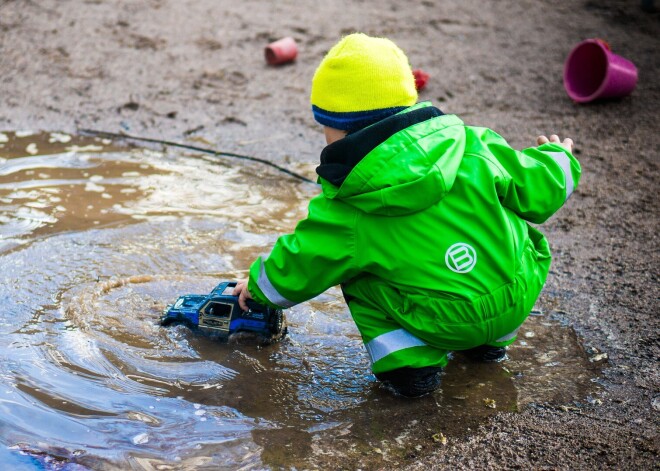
<point>276,322</point>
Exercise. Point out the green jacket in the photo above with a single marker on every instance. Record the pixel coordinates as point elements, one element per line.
<point>422,203</point>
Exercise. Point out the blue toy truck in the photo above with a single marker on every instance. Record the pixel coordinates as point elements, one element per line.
<point>219,314</point>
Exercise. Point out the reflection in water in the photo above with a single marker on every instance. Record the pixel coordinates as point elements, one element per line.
<point>96,240</point>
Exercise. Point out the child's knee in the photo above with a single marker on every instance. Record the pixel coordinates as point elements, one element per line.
<point>412,382</point>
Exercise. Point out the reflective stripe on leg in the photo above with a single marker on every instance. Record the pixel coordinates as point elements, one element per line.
<point>413,357</point>
<point>508,337</point>
<point>391,342</point>
<point>505,340</point>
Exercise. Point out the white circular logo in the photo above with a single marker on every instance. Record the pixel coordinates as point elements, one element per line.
<point>461,258</point>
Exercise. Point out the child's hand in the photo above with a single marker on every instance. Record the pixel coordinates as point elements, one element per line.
<point>566,143</point>
<point>243,294</point>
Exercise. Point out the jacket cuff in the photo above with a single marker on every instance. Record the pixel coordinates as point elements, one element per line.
<point>564,159</point>
<point>262,290</point>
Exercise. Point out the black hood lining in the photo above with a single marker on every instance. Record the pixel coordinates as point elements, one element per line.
<point>339,158</point>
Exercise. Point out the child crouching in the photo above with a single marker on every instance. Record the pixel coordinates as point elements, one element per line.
<point>422,220</point>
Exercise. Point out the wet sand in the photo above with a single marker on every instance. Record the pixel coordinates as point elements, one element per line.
<point>194,72</point>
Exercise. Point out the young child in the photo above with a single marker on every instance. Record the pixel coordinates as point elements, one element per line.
<point>422,220</point>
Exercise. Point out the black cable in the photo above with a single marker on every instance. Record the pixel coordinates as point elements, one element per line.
<point>112,135</point>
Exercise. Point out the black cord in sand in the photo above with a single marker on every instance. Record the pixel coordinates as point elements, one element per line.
<point>112,135</point>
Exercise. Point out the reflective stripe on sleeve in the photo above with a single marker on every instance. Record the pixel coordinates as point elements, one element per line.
<point>391,342</point>
<point>269,290</point>
<point>565,164</point>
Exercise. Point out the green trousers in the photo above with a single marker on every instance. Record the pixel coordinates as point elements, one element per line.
<point>418,330</point>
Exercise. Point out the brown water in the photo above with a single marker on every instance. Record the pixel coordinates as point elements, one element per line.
<point>96,239</point>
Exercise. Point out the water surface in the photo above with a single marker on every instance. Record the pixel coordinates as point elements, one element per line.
<point>95,240</point>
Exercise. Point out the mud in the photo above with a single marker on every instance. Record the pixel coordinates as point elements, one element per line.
<point>85,352</point>
<point>195,72</point>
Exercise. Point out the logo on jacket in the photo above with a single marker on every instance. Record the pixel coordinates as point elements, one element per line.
<point>461,258</point>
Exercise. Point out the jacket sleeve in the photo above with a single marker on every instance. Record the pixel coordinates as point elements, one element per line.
<point>539,180</point>
<point>318,255</point>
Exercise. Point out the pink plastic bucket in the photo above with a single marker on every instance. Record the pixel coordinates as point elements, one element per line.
<point>593,71</point>
<point>281,51</point>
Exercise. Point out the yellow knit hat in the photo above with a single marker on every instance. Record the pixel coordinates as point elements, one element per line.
<point>361,80</point>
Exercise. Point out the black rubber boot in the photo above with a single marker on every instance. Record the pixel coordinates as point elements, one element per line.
<point>412,382</point>
<point>486,353</point>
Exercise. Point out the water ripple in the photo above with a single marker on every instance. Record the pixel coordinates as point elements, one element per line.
<point>93,246</point>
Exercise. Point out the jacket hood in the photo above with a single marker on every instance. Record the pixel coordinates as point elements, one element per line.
<point>400,165</point>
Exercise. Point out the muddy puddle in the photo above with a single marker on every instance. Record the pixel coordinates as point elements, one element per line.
<point>95,240</point>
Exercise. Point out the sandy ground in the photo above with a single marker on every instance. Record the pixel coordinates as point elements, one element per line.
<point>194,71</point>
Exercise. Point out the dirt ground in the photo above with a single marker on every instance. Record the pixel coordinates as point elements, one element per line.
<point>193,71</point>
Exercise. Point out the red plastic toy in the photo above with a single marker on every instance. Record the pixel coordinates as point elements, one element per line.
<point>421,78</point>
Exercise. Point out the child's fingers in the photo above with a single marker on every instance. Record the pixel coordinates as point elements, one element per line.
<point>567,143</point>
<point>243,304</point>
<point>242,300</point>
<point>240,286</point>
